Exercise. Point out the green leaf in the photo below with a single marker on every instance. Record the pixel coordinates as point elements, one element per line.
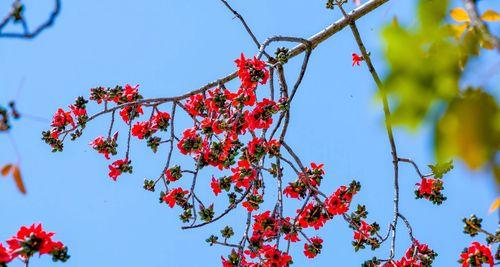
<point>441,169</point>
<point>424,63</point>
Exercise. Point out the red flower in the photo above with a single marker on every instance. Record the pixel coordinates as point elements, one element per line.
<point>339,202</point>
<point>296,190</point>
<point>5,257</point>
<point>195,105</point>
<point>425,187</point>
<point>29,241</point>
<point>476,255</point>
<point>78,112</point>
<point>143,129</point>
<point>175,196</point>
<point>105,146</point>
<point>190,142</point>
<point>314,175</point>
<point>356,59</point>
<point>244,96</point>
<point>215,186</point>
<point>417,255</point>
<point>243,174</point>
<point>273,257</point>
<point>62,118</point>
<point>118,167</point>
<point>173,174</point>
<point>251,71</point>
<point>130,93</point>
<point>314,248</point>
<point>160,120</point>
<point>312,216</point>
<point>293,237</point>
<point>363,231</point>
<point>430,189</point>
<point>261,116</point>
<point>130,112</point>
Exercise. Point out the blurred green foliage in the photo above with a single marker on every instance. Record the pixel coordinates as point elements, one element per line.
<point>426,62</point>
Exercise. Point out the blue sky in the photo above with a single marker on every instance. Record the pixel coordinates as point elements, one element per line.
<point>170,47</point>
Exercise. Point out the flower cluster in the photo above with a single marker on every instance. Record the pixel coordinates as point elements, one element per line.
<point>229,135</point>
<point>416,255</point>
<point>430,189</point>
<point>31,240</point>
<point>364,234</point>
<point>476,255</point>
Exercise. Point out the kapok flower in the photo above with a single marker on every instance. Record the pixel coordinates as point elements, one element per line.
<point>173,174</point>
<point>129,113</point>
<point>118,167</point>
<point>144,129</point>
<point>176,196</point>
<point>105,146</point>
<point>215,186</point>
<point>5,256</point>
<point>476,255</point>
<point>61,119</point>
<point>314,248</point>
<point>33,239</point>
<point>160,120</point>
<point>190,142</point>
<point>356,59</point>
<point>251,71</point>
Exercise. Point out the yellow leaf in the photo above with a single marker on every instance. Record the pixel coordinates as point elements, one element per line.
<point>459,15</point>
<point>459,29</point>
<point>486,44</point>
<point>17,178</point>
<point>490,15</point>
<point>6,169</point>
<point>495,205</point>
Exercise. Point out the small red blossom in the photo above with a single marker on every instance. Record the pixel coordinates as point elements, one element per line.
<point>296,190</point>
<point>293,237</point>
<point>215,186</point>
<point>312,216</point>
<point>314,248</point>
<point>190,142</point>
<point>143,129</point>
<point>61,119</point>
<point>251,71</point>
<point>78,112</point>
<point>356,59</point>
<point>130,93</point>
<point>314,175</point>
<point>31,240</point>
<point>363,231</point>
<point>195,105</point>
<point>118,167</point>
<point>130,112</point>
<point>5,256</point>
<point>416,255</point>
<point>243,174</point>
<point>476,255</point>
<point>261,116</point>
<point>173,174</point>
<point>339,202</point>
<point>175,196</point>
<point>105,146</point>
<point>430,189</point>
<point>160,120</point>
